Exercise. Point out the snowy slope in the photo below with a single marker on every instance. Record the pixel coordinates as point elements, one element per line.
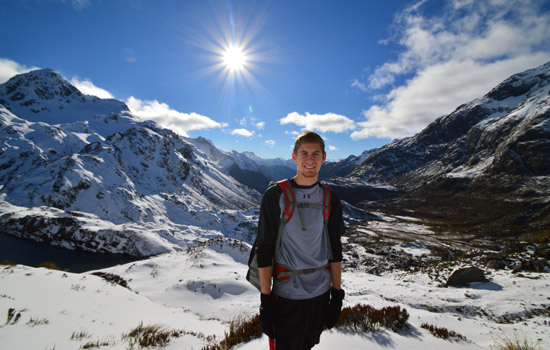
<point>198,291</point>
<point>103,180</point>
<point>505,132</point>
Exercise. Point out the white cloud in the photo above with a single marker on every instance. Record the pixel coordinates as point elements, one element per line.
<point>320,122</point>
<point>332,148</point>
<point>260,125</point>
<point>270,143</point>
<point>453,59</point>
<point>242,132</point>
<point>242,122</point>
<point>9,68</point>
<point>88,88</point>
<point>169,118</point>
<point>358,84</point>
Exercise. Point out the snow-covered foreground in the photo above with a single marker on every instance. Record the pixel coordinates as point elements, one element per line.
<point>200,290</point>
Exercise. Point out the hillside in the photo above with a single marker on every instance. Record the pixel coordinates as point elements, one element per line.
<point>483,169</point>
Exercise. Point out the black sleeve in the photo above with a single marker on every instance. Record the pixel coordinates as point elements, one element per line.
<point>336,228</point>
<point>268,225</point>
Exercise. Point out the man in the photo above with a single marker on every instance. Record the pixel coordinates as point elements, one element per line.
<point>296,308</point>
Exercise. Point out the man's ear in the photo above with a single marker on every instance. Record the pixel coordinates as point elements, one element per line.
<point>324,156</point>
<point>294,158</point>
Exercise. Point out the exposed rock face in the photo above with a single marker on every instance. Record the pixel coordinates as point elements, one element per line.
<point>464,276</point>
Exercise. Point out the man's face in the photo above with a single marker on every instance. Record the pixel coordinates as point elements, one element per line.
<point>309,159</point>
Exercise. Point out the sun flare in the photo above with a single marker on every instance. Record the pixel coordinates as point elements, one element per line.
<point>234,58</point>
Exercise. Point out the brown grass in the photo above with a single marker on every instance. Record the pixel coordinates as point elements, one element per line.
<point>442,333</point>
<point>241,329</point>
<point>150,336</point>
<point>516,342</point>
<point>365,318</point>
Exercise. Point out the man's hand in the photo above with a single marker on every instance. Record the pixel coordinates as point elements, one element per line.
<point>267,310</point>
<point>334,307</point>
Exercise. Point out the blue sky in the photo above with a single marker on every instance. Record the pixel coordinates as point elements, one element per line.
<point>360,73</point>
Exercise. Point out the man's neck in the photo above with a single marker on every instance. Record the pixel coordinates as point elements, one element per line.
<point>305,181</point>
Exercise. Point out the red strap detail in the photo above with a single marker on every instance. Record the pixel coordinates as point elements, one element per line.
<point>289,209</point>
<point>326,210</point>
<point>278,269</point>
<point>271,343</point>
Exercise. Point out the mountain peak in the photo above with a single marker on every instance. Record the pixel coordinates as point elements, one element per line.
<point>44,95</point>
<point>45,84</point>
<point>522,83</point>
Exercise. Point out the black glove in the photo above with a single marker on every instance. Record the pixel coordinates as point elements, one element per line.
<point>334,307</point>
<point>267,309</point>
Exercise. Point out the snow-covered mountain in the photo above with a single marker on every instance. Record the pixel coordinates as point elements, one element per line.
<point>43,95</point>
<point>247,167</point>
<point>343,167</point>
<point>507,132</point>
<point>487,162</point>
<point>84,173</point>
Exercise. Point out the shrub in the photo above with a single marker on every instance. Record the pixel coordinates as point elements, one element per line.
<point>112,278</point>
<point>365,318</point>
<point>443,333</point>
<point>241,330</point>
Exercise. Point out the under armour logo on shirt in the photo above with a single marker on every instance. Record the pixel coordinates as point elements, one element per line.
<point>308,196</point>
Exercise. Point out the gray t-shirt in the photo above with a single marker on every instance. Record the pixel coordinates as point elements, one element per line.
<point>304,249</point>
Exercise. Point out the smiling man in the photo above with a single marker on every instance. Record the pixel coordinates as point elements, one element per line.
<point>300,253</point>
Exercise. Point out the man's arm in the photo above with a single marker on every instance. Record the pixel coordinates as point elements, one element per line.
<point>268,223</point>
<point>265,279</point>
<point>336,229</point>
<point>335,274</point>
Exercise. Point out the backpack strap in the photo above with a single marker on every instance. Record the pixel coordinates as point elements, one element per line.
<point>283,273</point>
<point>290,205</point>
<point>290,199</point>
<point>327,199</point>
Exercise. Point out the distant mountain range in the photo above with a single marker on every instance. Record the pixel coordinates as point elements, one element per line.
<point>81,172</point>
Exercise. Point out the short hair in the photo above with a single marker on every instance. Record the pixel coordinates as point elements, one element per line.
<point>308,137</point>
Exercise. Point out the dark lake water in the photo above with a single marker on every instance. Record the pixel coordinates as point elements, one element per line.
<point>30,253</point>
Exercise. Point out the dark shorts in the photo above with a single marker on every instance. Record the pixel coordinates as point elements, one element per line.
<point>299,323</point>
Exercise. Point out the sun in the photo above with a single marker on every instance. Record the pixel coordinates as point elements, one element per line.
<point>234,58</point>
